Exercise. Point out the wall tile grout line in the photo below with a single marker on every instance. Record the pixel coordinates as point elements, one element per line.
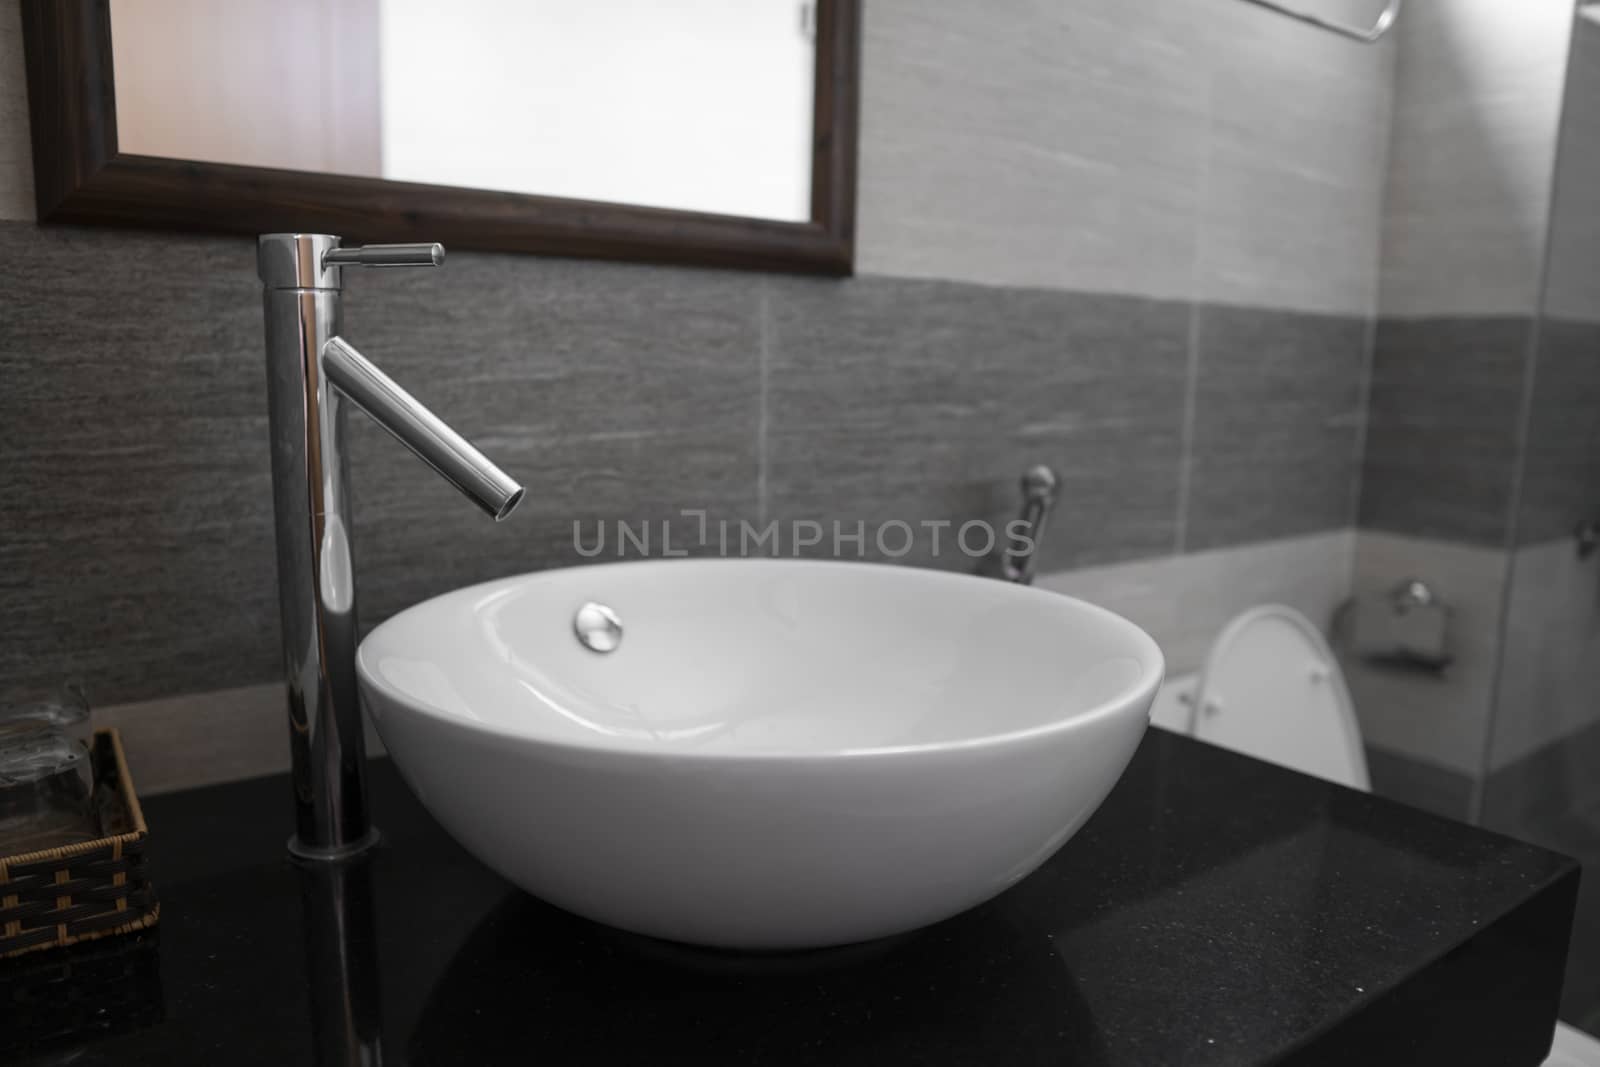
<point>1530,370</point>
<point>1191,384</point>
<point>1375,302</point>
<point>1442,426</point>
<point>764,332</point>
<point>1363,418</point>
<point>1191,390</point>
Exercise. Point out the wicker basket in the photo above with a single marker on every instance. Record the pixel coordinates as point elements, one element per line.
<point>64,999</point>
<point>60,896</point>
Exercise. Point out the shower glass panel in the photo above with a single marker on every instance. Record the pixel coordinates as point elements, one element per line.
<point>1541,774</point>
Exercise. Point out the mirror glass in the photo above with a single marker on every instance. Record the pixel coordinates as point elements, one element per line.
<point>698,105</point>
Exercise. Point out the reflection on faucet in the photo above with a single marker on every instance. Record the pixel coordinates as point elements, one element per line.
<point>1015,560</point>
<point>342,963</point>
<point>313,375</point>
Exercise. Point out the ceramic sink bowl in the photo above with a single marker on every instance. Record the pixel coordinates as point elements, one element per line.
<point>775,754</point>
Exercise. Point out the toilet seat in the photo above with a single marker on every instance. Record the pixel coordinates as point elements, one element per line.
<point>1271,688</point>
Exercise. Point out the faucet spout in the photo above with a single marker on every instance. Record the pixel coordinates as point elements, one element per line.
<point>420,430</point>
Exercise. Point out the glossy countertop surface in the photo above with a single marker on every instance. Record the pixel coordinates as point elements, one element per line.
<point>1215,910</point>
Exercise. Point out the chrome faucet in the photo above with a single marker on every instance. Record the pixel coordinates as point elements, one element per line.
<point>311,373</point>
<point>1015,562</point>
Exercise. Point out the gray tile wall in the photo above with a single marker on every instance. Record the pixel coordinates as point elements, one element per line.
<point>1561,455</point>
<point>135,533</point>
<point>1572,271</point>
<point>1477,102</point>
<point>1184,601</point>
<point>135,529</point>
<point>1444,418</point>
<point>1550,667</point>
<point>613,392</point>
<point>1440,718</point>
<point>1476,441</point>
<point>16,156</point>
<point>1124,146</point>
<point>1277,420</point>
<point>135,547</point>
<point>1162,148</point>
<point>1441,790</point>
<point>1483,430</point>
<point>1457,440</point>
<point>1293,177</point>
<point>923,400</point>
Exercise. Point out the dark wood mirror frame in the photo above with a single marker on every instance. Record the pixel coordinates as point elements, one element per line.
<point>80,176</point>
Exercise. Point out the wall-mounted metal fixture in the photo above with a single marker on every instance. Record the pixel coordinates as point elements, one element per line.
<point>1015,561</point>
<point>1365,35</point>
<point>1405,627</point>
<point>1587,536</point>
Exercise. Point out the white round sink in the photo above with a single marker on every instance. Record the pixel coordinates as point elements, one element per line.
<point>773,754</point>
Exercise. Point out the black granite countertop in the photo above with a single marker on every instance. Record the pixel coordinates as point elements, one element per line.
<point>1215,910</point>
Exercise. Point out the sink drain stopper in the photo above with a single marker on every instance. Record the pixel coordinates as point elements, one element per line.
<point>598,627</point>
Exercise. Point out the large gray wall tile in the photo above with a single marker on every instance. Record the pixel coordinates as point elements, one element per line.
<point>1550,667</point>
<point>1155,147</point>
<point>613,392</point>
<point>1184,601</point>
<point>1550,788</point>
<point>1442,432</point>
<point>136,534</point>
<point>1271,237</point>
<point>1477,102</point>
<point>1294,170</point>
<point>1421,784</point>
<point>1572,270</point>
<point>16,156</point>
<point>1440,718</point>
<point>1276,425</point>
<point>135,529</point>
<point>1031,143</point>
<point>925,400</point>
<point>1561,456</point>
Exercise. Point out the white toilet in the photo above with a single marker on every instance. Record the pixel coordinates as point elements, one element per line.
<point>1271,688</point>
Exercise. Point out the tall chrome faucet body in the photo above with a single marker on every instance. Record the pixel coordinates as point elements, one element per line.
<point>313,376</point>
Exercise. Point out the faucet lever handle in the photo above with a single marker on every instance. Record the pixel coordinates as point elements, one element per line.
<point>417,255</point>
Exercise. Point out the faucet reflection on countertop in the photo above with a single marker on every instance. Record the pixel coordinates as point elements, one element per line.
<point>341,945</point>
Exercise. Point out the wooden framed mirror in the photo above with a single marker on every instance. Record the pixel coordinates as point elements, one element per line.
<point>84,172</point>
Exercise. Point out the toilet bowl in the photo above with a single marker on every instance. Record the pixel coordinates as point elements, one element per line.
<point>1271,688</point>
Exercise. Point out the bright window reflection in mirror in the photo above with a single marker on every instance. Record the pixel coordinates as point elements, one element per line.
<point>699,105</point>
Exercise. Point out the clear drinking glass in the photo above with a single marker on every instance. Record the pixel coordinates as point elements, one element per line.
<point>46,774</point>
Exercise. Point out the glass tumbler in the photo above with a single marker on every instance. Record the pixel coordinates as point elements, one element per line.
<point>46,774</point>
